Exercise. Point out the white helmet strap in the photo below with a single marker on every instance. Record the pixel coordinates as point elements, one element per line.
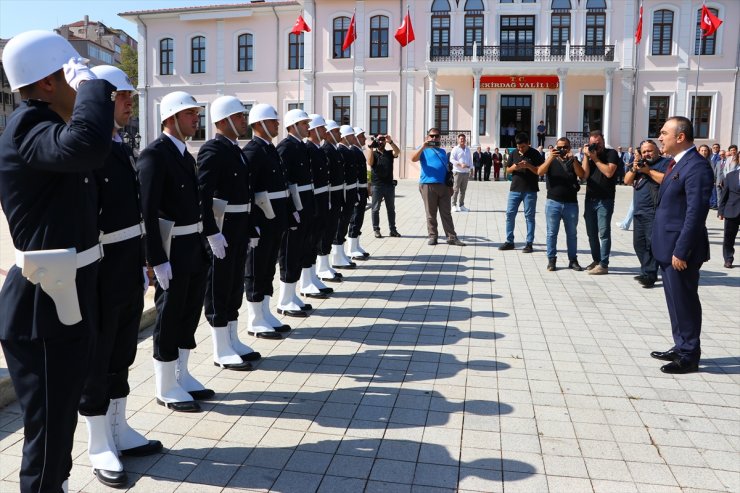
<point>177,128</point>
<point>264,127</point>
<point>231,124</point>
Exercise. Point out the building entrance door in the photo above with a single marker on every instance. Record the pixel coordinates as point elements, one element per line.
<point>516,116</point>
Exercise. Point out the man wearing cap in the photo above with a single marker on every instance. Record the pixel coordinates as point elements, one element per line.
<point>294,155</point>
<point>48,302</point>
<point>176,251</point>
<point>355,250</point>
<point>339,258</point>
<point>122,282</point>
<point>324,270</point>
<point>275,213</point>
<point>225,196</point>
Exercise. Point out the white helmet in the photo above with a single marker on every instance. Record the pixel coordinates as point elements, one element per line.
<point>176,102</point>
<point>358,131</point>
<point>294,116</point>
<point>316,121</point>
<point>33,55</point>
<point>225,106</point>
<point>261,112</point>
<point>346,130</point>
<point>331,125</point>
<point>115,76</point>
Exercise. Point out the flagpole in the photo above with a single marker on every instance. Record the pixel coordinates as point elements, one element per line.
<point>635,80</point>
<point>300,63</point>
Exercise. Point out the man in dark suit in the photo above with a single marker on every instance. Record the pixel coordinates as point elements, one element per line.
<point>48,194</point>
<point>729,211</point>
<point>477,164</point>
<point>680,241</point>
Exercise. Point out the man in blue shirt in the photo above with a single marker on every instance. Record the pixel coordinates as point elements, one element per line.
<point>435,192</point>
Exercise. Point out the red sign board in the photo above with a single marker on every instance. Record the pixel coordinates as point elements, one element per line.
<point>519,82</point>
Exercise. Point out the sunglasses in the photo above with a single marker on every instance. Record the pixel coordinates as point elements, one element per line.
<point>435,136</point>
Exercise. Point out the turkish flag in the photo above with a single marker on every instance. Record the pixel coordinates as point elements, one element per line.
<point>300,26</point>
<point>638,32</point>
<point>351,35</point>
<point>709,22</point>
<point>405,33</point>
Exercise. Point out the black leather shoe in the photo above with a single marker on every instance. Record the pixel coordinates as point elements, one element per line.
<point>377,233</point>
<point>507,246</point>
<point>551,264</point>
<point>307,307</point>
<point>283,328</point>
<point>647,283</point>
<point>201,395</point>
<point>395,234</point>
<point>253,356</point>
<point>680,366</point>
<point>265,335</point>
<point>314,295</point>
<point>574,265</point>
<point>455,242</point>
<point>728,264</point>
<point>150,448</point>
<point>669,355</point>
<point>292,313</point>
<point>527,248</point>
<point>114,479</point>
<point>336,278</point>
<point>640,278</point>
<point>243,366</point>
<point>432,241</point>
<point>183,407</point>
<point>351,265</point>
<point>326,290</point>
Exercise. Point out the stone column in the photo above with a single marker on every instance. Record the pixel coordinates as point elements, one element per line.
<point>432,94</point>
<point>475,138</point>
<point>562,75</point>
<point>606,126</point>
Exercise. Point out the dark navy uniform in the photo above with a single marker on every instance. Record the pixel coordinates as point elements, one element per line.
<point>48,195</point>
<point>320,174</point>
<point>120,282</point>
<point>358,213</point>
<point>295,158</point>
<point>169,190</point>
<point>266,174</point>
<point>351,196</point>
<point>223,174</point>
<point>336,183</point>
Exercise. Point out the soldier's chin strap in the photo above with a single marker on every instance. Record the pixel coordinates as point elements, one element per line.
<point>298,132</point>
<point>179,133</point>
<point>332,138</point>
<point>233,128</point>
<point>264,127</point>
<point>318,136</point>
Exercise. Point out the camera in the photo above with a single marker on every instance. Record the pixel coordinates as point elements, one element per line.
<point>434,143</point>
<point>642,163</point>
<point>593,147</point>
<point>373,144</point>
<point>563,151</point>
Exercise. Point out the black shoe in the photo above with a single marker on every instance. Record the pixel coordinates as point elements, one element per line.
<point>680,366</point>
<point>669,355</point>
<point>336,278</point>
<point>377,234</point>
<point>152,447</point>
<point>320,296</point>
<point>201,395</point>
<point>114,479</point>
<point>326,290</point>
<point>551,264</point>
<point>292,313</point>
<point>395,234</point>
<point>265,335</point>
<point>183,407</point>
<point>728,264</point>
<point>307,307</point>
<point>506,246</point>
<point>243,366</point>
<point>455,241</point>
<point>574,265</point>
<point>591,265</point>
<point>647,282</point>
<point>527,248</point>
<point>432,241</point>
<point>351,265</point>
<point>253,356</point>
<point>640,278</point>
<point>283,328</point>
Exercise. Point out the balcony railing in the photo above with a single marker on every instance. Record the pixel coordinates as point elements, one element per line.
<point>522,53</point>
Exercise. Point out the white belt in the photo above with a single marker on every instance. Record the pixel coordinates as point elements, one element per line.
<point>92,254</point>
<point>188,229</point>
<point>350,186</point>
<point>337,188</point>
<point>282,194</point>
<point>362,185</point>
<point>305,188</point>
<point>238,208</point>
<point>317,191</point>
<point>123,234</point>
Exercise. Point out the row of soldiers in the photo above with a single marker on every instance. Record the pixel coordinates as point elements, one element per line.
<point>89,222</point>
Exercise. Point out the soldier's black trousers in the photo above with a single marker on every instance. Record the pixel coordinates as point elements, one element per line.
<point>262,262</point>
<point>316,234</point>
<point>358,215</point>
<point>332,222</point>
<point>225,284</point>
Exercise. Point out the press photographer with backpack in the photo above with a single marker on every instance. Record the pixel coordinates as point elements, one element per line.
<point>380,161</point>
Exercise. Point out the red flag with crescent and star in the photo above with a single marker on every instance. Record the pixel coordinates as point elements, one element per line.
<point>300,26</point>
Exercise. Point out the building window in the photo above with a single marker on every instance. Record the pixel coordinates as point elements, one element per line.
<point>166,56</point>
<point>474,5</point>
<point>246,53</point>
<point>706,45</point>
<point>295,106</point>
<point>341,25</point>
<point>560,4</point>
<point>341,109</point>
<point>378,115</point>
<point>473,33</point>
<point>440,35</point>
<point>442,112</point>
<point>559,32</point>
<point>657,114</point>
<point>701,110</point>
<point>247,109</point>
<point>551,115</point>
<point>517,37</point>
<point>482,112</point>
<point>595,33</point>
<point>200,134</point>
<point>593,110</point>
<point>596,4</point>
<point>99,53</point>
<point>662,32</point>
<point>378,36</point>
<point>295,51</point>
<point>441,6</point>
<point>198,55</point>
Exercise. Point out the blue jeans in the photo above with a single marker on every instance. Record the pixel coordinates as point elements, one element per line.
<point>597,213</point>
<point>530,205</point>
<point>568,212</point>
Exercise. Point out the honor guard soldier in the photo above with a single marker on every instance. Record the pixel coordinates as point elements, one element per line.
<point>175,250</point>
<point>310,285</point>
<point>274,214</point>
<point>355,251</point>
<point>49,301</point>
<point>226,201</point>
<point>122,281</point>
<point>293,246</point>
<point>324,270</point>
<point>339,258</point>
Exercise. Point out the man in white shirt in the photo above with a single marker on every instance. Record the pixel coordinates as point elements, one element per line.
<point>462,162</point>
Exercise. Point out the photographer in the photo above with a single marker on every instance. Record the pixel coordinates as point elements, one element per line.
<point>380,161</point>
<point>564,173</point>
<point>645,176</point>
<point>600,165</point>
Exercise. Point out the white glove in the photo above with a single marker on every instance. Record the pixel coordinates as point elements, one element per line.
<point>218,245</point>
<point>297,217</point>
<point>163,272</point>
<point>76,72</point>
<point>253,242</point>
<point>146,279</point>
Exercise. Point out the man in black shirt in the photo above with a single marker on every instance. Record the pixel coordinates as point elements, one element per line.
<point>563,176</point>
<point>600,165</point>
<point>381,177</point>
<point>522,165</point>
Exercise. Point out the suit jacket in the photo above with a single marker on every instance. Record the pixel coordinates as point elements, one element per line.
<point>729,201</point>
<point>477,162</point>
<point>48,195</point>
<point>680,217</point>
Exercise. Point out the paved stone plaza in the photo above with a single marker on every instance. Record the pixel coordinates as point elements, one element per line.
<point>440,369</point>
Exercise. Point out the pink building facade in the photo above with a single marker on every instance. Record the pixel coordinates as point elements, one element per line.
<point>476,66</point>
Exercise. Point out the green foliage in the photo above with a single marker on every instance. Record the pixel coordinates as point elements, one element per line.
<point>130,65</point>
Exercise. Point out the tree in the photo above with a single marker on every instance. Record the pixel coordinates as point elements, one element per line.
<point>130,65</point>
